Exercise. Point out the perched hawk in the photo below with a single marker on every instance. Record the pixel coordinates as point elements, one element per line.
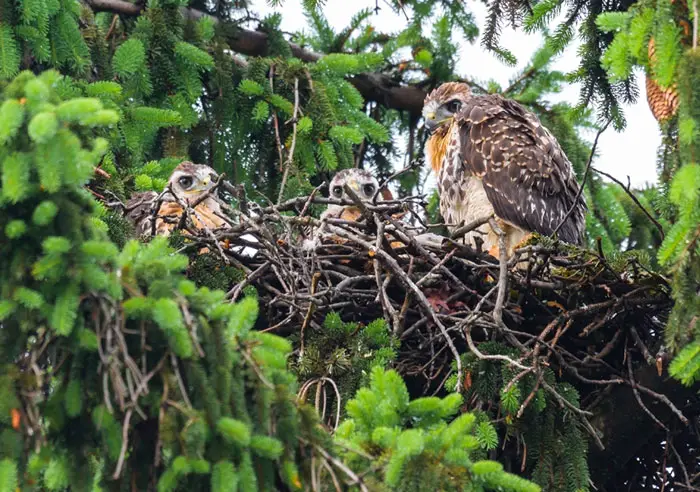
<point>492,156</point>
<point>188,183</point>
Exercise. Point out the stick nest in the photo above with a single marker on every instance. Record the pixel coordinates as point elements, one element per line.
<point>586,316</point>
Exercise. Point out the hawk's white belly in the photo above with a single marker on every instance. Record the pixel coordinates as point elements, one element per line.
<point>463,200</point>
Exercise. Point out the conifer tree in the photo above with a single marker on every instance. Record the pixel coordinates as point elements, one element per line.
<point>106,338</point>
<point>673,67</point>
<point>125,366</point>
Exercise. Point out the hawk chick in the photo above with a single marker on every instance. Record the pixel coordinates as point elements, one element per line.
<point>490,156</point>
<point>188,182</point>
<point>362,182</point>
<point>365,186</point>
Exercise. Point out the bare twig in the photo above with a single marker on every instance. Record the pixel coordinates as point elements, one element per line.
<point>355,479</point>
<point>639,398</point>
<point>629,192</point>
<point>115,18</point>
<point>481,355</point>
<point>314,283</point>
<point>473,225</point>
<point>411,167</point>
<point>125,444</point>
<point>575,203</point>
<point>275,119</point>
<point>180,382</point>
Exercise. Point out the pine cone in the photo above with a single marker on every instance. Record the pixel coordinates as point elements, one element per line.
<point>662,102</point>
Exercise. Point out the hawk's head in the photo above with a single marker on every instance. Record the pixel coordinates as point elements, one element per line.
<point>362,182</point>
<point>192,180</point>
<point>365,186</point>
<point>442,104</point>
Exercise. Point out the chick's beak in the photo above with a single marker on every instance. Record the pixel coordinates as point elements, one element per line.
<point>354,184</point>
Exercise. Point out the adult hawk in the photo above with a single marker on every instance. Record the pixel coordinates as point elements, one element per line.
<point>188,182</point>
<point>492,156</point>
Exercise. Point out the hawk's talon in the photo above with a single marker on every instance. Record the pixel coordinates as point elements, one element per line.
<point>523,242</point>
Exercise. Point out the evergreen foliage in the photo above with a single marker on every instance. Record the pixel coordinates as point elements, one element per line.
<point>678,67</point>
<point>164,357</point>
<point>124,365</point>
<point>344,353</point>
<point>556,449</point>
<point>412,444</point>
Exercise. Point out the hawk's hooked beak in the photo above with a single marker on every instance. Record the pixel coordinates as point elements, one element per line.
<point>431,121</point>
<point>435,119</point>
<point>206,181</point>
<point>201,186</point>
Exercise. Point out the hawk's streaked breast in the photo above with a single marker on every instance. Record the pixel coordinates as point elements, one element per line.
<point>494,156</point>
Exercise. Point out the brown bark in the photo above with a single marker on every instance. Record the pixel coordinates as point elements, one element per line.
<point>376,87</point>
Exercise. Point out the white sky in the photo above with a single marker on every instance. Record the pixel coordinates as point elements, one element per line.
<point>629,153</point>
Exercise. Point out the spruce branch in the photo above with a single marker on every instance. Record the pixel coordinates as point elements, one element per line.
<point>627,189</point>
<point>376,87</point>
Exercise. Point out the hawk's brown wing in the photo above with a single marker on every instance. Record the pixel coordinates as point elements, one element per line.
<point>138,211</point>
<point>527,177</point>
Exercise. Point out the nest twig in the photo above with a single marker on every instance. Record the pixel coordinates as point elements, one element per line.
<point>443,298</point>
<point>559,307</point>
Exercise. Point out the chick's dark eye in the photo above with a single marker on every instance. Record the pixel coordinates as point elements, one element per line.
<point>185,181</point>
<point>337,190</point>
<point>453,106</point>
<point>368,189</point>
